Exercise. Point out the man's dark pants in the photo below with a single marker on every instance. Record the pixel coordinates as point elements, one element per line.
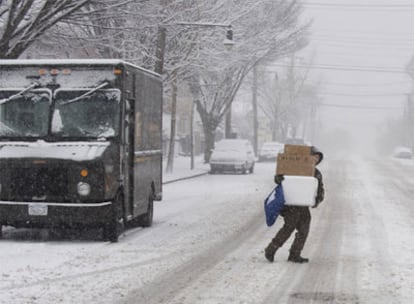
<point>298,218</point>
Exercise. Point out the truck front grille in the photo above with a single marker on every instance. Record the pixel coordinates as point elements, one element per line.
<point>38,183</point>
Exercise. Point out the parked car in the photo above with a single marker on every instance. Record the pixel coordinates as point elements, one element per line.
<point>234,155</point>
<point>402,152</point>
<point>270,150</point>
<point>296,141</point>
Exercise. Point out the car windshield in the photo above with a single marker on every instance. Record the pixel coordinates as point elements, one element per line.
<point>85,114</point>
<point>24,114</point>
<point>271,146</point>
<point>230,146</point>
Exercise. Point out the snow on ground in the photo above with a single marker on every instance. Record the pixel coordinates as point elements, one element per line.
<point>182,168</point>
<point>38,269</point>
<point>379,237</point>
<point>207,241</point>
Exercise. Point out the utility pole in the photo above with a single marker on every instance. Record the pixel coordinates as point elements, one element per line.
<point>159,68</point>
<point>227,126</point>
<point>171,148</point>
<point>159,53</point>
<point>292,129</point>
<point>254,104</point>
<point>192,135</point>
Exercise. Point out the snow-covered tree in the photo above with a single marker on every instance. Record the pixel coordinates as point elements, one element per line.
<point>113,29</point>
<point>286,98</point>
<point>24,21</point>
<point>264,31</point>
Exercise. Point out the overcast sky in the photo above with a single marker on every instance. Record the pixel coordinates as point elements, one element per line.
<point>350,37</point>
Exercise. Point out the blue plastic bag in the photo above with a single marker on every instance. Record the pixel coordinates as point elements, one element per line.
<point>273,204</point>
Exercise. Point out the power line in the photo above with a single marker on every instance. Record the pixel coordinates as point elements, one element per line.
<point>341,49</point>
<point>359,53</point>
<point>364,95</point>
<point>367,32</point>
<point>360,85</point>
<point>355,44</point>
<point>409,40</point>
<point>347,68</point>
<point>358,106</point>
<point>357,5</point>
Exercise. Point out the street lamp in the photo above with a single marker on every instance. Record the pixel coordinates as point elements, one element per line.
<point>228,41</point>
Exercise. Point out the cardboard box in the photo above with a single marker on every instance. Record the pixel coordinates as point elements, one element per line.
<point>296,160</point>
<point>297,149</point>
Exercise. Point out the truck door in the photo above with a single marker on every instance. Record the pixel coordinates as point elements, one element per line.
<point>128,162</point>
<point>142,168</point>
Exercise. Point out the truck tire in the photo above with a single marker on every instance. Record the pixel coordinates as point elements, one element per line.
<point>116,224</point>
<point>146,219</point>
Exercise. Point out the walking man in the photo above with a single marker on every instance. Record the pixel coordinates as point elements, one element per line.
<point>296,218</point>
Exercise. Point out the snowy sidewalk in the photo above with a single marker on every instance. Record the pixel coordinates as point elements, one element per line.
<point>182,169</point>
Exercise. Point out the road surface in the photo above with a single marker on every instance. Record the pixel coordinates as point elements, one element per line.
<point>207,241</point>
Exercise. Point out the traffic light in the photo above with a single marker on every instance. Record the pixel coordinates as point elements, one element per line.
<point>228,42</point>
<point>229,34</point>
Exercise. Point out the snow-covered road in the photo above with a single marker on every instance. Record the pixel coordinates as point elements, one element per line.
<point>206,246</point>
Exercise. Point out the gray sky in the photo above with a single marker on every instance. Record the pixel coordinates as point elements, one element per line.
<point>349,37</point>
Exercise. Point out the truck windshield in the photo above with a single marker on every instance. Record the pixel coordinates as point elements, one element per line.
<point>93,115</point>
<point>24,114</point>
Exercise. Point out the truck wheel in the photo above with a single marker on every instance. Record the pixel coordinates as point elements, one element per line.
<point>146,219</point>
<point>116,224</point>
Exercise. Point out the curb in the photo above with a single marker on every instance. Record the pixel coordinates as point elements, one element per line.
<point>184,178</point>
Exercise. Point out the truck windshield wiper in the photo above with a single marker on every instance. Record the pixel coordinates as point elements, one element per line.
<point>85,94</point>
<point>10,98</point>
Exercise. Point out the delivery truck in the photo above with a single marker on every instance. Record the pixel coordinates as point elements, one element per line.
<point>80,144</point>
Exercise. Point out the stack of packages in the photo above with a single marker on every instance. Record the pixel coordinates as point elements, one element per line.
<point>298,168</point>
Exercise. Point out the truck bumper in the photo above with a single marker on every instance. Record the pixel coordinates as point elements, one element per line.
<point>51,214</point>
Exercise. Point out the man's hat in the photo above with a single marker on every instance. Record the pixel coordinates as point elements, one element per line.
<point>315,151</point>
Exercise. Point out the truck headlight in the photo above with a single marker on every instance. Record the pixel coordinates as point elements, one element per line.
<point>84,189</point>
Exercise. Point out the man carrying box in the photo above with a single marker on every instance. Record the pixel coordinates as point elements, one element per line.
<point>296,217</point>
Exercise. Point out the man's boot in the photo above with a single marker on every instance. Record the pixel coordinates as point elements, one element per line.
<point>270,252</point>
<point>296,258</point>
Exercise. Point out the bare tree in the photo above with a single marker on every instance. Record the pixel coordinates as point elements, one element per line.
<point>282,98</point>
<point>24,21</point>
<point>148,33</point>
<point>266,30</point>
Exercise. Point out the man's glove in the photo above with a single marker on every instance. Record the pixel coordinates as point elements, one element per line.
<point>278,179</point>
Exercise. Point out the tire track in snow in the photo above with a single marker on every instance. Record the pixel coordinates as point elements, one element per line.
<point>168,286</point>
<point>86,257</point>
<point>327,280</point>
<point>76,279</point>
<point>321,281</point>
<point>393,211</point>
<point>81,275</point>
<point>377,282</point>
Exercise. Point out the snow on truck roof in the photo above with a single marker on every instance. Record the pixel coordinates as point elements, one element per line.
<point>86,62</point>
